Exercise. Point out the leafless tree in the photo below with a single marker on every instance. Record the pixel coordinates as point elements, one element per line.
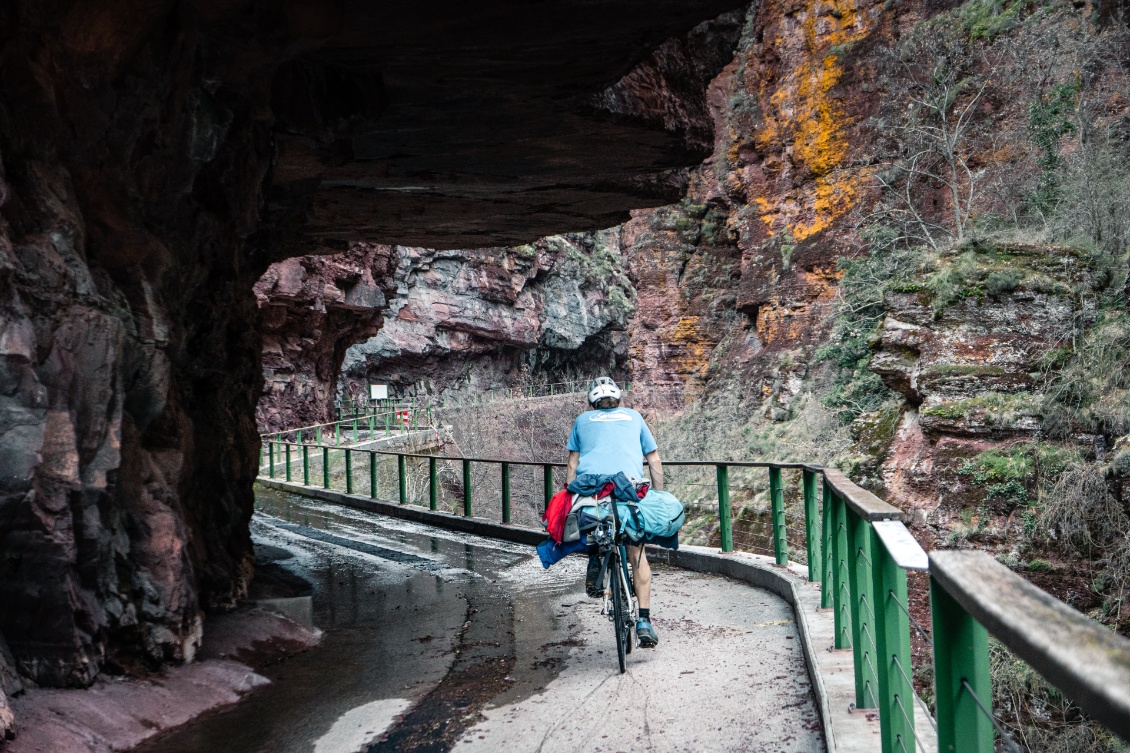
<point>931,125</point>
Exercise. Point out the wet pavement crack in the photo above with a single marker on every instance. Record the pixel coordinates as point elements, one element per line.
<point>481,670</point>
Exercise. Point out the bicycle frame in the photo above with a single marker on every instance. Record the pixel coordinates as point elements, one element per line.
<point>616,543</point>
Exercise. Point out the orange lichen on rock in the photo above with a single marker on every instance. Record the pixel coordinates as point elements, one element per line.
<point>794,315</point>
<point>804,121</point>
<point>692,346</point>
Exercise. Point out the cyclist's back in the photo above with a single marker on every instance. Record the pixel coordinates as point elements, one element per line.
<point>611,441</point>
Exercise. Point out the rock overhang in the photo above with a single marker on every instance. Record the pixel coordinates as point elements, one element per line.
<point>447,126</point>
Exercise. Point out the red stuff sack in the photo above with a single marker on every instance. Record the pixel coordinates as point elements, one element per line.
<point>554,516</point>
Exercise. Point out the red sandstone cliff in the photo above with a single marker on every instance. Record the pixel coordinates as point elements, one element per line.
<point>312,309</point>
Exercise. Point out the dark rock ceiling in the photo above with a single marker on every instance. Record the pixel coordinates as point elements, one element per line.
<point>453,124</point>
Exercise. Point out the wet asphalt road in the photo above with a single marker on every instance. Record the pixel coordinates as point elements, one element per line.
<point>437,641</point>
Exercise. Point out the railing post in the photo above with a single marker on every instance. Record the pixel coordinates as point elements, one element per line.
<point>306,465</point>
<point>287,461</point>
<point>348,471</point>
<point>862,610</point>
<point>725,525</point>
<point>892,651</point>
<point>777,505</point>
<point>840,588</point>
<point>337,433</point>
<point>402,475</point>
<point>387,424</point>
<point>325,467</point>
<point>318,435</point>
<point>961,655</point>
<point>466,487</point>
<point>372,474</point>
<point>547,483</point>
<point>827,531</point>
<point>371,420</point>
<point>271,457</point>
<point>298,437</point>
<point>812,527</point>
<point>433,485</point>
<point>505,493</point>
<point>354,432</point>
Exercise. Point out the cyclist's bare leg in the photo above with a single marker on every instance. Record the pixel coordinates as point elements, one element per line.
<point>641,574</point>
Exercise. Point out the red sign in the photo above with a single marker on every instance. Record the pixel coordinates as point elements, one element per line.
<point>403,417</point>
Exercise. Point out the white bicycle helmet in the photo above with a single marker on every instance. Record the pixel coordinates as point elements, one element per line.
<point>603,387</point>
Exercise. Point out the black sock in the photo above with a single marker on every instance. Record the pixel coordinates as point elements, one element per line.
<point>645,614</point>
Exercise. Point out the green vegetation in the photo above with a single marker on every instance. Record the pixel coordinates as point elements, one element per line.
<point>855,389</point>
<point>1037,715</point>
<point>980,268</point>
<point>995,409</point>
<point>1004,474</point>
<point>987,19</point>
<point>1089,386</point>
<point>1049,121</point>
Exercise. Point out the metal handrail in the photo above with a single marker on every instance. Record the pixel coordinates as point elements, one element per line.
<point>1089,663</point>
<point>859,551</point>
<point>268,434</point>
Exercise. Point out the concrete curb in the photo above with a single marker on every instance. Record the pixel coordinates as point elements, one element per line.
<point>830,670</point>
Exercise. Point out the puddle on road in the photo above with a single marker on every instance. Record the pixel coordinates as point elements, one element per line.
<point>395,600</point>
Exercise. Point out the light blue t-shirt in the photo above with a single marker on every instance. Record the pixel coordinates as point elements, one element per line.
<point>611,440</point>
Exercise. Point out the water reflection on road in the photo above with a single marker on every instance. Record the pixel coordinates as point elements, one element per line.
<point>405,609</point>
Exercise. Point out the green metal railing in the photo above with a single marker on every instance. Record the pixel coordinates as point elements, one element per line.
<point>373,425</point>
<point>859,551</point>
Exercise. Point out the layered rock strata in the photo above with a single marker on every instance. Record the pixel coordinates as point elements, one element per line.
<point>972,366</point>
<point>472,320</point>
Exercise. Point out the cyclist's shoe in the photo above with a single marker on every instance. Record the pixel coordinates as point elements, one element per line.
<point>645,633</point>
<point>592,588</point>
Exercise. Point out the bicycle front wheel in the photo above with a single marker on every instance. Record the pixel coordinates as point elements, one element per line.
<point>619,613</point>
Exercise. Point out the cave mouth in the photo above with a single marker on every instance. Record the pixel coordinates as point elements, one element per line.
<point>158,161</point>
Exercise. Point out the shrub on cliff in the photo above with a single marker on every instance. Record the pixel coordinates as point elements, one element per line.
<point>1088,386</point>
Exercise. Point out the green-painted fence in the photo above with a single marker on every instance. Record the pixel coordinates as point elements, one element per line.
<point>362,427</point>
<point>859,551</point>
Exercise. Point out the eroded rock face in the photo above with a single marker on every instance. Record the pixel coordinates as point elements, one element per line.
<point>125,419</point>
<point>485,318</point>
<point>972,365</point>
<point>311,310</point>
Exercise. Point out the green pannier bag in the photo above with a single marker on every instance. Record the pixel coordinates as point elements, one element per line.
<point>657,515</point>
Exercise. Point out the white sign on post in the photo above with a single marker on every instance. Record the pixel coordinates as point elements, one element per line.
<point>378,392</point>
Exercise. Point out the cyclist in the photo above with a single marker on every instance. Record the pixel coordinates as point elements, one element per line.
<point>605,441</point>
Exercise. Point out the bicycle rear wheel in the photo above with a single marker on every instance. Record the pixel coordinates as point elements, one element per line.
<point>619,609</point>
